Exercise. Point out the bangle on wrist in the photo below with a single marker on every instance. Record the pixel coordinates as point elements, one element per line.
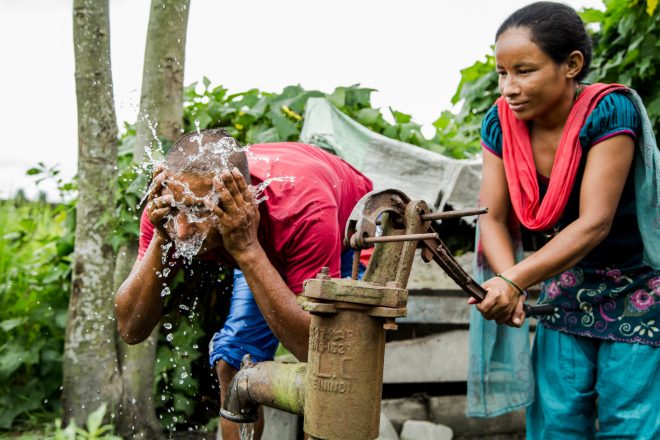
<point>512,284</point>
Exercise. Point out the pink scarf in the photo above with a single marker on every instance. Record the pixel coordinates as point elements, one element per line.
<point>519,160</point>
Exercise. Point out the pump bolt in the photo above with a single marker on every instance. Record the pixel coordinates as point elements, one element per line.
<point>324,274</point>
<point>390,324</point>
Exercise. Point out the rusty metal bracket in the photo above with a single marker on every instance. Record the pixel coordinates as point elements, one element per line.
<point>366,217</point>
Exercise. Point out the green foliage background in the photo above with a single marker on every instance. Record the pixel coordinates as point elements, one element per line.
<point>626,40</point>
<point>37,238</point>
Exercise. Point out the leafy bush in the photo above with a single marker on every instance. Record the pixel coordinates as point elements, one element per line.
<point>626,47</point>
<point>256,116</point>
<point>35,249</point>
<point>478,90</point>
<point>626,38</point>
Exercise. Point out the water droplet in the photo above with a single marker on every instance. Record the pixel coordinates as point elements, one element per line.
<point>167,325</point>
<point>169,337</point>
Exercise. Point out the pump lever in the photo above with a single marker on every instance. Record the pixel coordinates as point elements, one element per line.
<point>435,249</point>
<point>361,230</point>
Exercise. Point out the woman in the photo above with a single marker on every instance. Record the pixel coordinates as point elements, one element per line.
<point>557,159</point>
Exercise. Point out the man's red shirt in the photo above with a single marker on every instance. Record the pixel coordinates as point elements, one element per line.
<point>304,209</point>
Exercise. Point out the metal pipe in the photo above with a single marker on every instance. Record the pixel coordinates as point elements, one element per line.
<point>273,384</point>
<point>344,375</point>
<point>396,238</point>
<point>453,214</point>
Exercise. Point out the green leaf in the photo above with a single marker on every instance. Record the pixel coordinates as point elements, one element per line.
<point>626,24</point>
<point>10,324</point>
<point>338,97</point>
<point>591,15</point>
<point>358,97</point>
<point>13,355</point>
<point>95,419</point>
<point>33,171</point>
<point>400,118</point>
<point>368,116</point>
<point>204,120</point>
<point>285,128</point>
<point>183,404</point>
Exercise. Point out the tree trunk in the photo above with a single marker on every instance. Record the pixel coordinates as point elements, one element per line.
<point>90,359</point>
<point>161,102</point>
<point>160,117</point>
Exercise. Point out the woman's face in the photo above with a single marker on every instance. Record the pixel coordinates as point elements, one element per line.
<point>533,83</point>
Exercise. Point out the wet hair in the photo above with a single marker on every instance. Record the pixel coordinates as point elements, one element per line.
<point>207,152</point>
<point>556,28</point>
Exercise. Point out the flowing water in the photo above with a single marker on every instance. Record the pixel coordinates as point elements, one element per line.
<point>246,431</point>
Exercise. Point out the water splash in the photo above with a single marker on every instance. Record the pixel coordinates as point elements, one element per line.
<point>261,188</point>
<point>188,247</point>
<point>147,149</point>
<point>246,431</point>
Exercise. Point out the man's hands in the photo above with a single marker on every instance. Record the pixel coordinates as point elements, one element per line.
<point>237,213</point>
<point>503,303</point>
<point>159,205</point>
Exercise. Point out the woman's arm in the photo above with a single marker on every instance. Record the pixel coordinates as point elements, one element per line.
<point>495,238</point>
<point>494,233</point>
<point>607,167</point>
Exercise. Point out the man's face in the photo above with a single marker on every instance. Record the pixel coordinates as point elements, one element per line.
<point>190,224</point>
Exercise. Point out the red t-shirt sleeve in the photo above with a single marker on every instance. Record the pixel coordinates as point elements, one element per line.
<point>146,234</point>
<point>310,245</point>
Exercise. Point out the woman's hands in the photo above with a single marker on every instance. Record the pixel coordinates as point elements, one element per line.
<point>237,213</point>
<point>503,303</point>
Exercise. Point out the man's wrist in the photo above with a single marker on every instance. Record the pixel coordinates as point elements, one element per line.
<point>160,237</point>
<point>249,255</point>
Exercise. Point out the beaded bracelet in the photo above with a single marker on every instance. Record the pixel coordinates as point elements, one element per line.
<point>511,283</point>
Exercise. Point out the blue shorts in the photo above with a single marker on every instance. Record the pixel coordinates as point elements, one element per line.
<point>246,330</point>
<point>571,371</point>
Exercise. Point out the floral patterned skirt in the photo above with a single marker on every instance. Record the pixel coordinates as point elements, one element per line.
<point>605,303</point>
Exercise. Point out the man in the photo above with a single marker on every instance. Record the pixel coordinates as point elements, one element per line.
<point>278,231</point>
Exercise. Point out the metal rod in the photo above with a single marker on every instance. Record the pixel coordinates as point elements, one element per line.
<point>393,238</point>
<point>356,264</point>
<point>453,214</point>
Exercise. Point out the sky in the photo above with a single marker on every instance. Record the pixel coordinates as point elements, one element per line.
<point>411,52</point>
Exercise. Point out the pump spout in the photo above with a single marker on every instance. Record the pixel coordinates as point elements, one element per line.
<point>273,384</point>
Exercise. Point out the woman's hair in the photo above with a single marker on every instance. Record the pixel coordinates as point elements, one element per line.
<point>556,28</point>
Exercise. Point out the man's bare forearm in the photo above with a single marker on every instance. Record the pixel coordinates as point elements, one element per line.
<point>139,303</point>
<point>277,302</point>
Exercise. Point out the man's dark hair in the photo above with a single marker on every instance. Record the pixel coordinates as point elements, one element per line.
<point>207,152</point>
<point>556,28</point>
